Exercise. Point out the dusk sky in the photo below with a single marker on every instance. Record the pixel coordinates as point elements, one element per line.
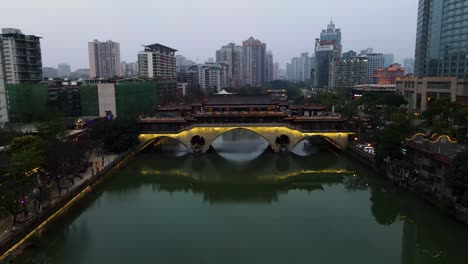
<point>197,28</point>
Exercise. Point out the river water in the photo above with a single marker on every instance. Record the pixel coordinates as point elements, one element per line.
<point>242,204</point>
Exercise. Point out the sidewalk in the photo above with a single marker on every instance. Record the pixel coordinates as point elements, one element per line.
<point>6,231</point>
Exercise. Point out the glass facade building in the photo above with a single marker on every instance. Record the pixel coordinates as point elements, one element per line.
<point>442,39</point>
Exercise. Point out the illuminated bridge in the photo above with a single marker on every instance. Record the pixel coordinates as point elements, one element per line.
<point>282,125</point>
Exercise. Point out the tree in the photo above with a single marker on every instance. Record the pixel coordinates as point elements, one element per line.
<point>115,135</point>
<point>458,175</point>
<point>19,183</point>
<point>389,145</point>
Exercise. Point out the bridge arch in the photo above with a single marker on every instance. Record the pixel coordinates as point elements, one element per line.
<point>153,140</point>
<point>270,142</point>
<point>331,140</point>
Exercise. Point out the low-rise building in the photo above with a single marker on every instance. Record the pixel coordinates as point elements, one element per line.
<point>348,72</point>
<point>389,74</point>
<point>421,92</point>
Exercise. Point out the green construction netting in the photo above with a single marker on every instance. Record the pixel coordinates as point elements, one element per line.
<point>135,98</point>
<point>28,102</point>
<point>89,100</point>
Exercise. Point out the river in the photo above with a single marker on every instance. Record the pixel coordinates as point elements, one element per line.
<point>242,204</point>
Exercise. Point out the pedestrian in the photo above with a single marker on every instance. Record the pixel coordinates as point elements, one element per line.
<point>103,161</point>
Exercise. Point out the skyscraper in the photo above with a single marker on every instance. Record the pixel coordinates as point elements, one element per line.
<point>269,67</point>
<point>232,55</point>
<point>22,56</point>
<point>63,70</point>
<point>253,62</point>
<point>333,34</point>
<point>441,39</point>
<point>325,52</point>
<point>327,48</point>
<point>104,59</point>
<point>408,63</point>
<point>388,59</point>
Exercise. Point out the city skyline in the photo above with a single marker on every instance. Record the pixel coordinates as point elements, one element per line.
<point>287,31</point>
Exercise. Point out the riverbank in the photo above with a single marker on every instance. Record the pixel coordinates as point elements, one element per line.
<point>12,242</point>
<point>421,189</point>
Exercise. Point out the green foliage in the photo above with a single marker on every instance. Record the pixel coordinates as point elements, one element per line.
<point>24,143</point>
<point>389,144</point>
<point>116,135</point>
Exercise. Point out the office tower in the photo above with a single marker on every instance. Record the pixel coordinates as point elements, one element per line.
<point>375,62</point>
<point>345,73</point>
<point>232,55</point>
<point>49,72</point>
<point>253,62</point>
<point>388,60</point>
<point>350,54</point>
<point>389,74</point>
<point>104,59</point>
<point>325,52</point>
<point>441,39</point>
<point>332,34</point>
<point>158,62</point>
<point>22,56</point>
<point>408,63</point>
<point>63,70</point>
<point>366,51</point>
<point>4,117</point>
<point>209,77</point>
<point>269,67</point>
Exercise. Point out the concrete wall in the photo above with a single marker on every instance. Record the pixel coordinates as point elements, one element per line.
<point>106,98</point>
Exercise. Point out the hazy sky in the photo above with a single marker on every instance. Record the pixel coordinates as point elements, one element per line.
<point>197,28</point>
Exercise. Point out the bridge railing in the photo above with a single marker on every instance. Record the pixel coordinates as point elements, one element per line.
<point>240,125</point>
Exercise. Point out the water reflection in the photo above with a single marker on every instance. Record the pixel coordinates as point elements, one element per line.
<point>275,208</point>
<point>240,145</point>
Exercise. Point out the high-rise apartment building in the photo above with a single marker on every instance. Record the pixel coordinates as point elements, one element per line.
<point>63,70</point>
<point>22,56</point>
<point>158,62</point>
<point>129,70</point>
<point>276,71</point>
<point>4,117</point>
<point>442,39</point>
<point>104,59</point>
<point>209,77</point>
<point>388,59</point>
<point>269,67</point>
<point>232,55</point>
<point>346,73</point>
<point>253,62</point>
<point>300,68</point>
<point>375,62</point>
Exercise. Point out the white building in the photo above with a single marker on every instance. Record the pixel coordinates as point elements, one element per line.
<point>4,117</point>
